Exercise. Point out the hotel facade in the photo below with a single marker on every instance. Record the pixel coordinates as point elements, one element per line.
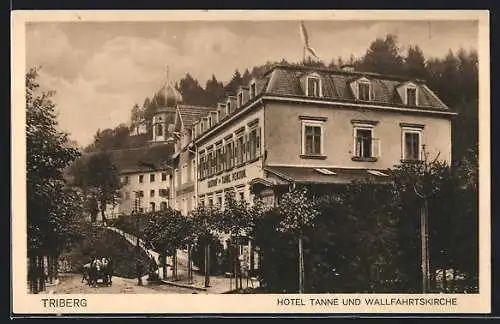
<point>317,127</point>
<point>294,125</point>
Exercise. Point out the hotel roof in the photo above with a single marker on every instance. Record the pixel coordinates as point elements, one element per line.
<point>286,80</point>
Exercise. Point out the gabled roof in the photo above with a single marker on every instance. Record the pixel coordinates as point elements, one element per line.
<point>285,80</point>
<point>190,114</point>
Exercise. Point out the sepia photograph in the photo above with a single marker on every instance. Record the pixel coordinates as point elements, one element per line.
<point>315,161</point>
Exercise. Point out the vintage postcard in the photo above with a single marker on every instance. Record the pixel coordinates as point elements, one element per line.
<point>270,162</point>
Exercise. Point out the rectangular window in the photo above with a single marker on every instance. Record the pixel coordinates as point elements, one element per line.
<point>229,155</point>
<point>159,130</point>
<point>202,202</point>
<point>411,146</point>
<point>184,206</point>
<point>219,200</point>
<point>240,146</point>
<point>126,180</point>
<point>141,178</point>
<point>363,143</point>
<point>411,96</point>
<point>240,100</point>
<point>177,177</point>
<point>210,163</point>
<point>152,206</point>
<point>313,87</point>
<point>163,176</point>
<point>139,194</point>
<point>193,170</point>
<point>242,196</point>
<point>364,91</point>
<point>218,158</point>
<point>210,202</point>
<point>253,144</point>
<point>184,174</point>
<point>201,166</point>
<point>151,178</point>
<point>312,138</point>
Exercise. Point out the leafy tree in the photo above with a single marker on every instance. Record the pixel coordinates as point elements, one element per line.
<point>47,156</point>
<point>237,221</point>
<point>204,230</point>
<point>137,115</point>
<point>246,78</point>
<point>415,63</point>
<point>298,212</point>
<point>235,82</point>
<point>383,56</point>
<point>215,91</point>
<point>167,231</point>
<point>192,92</point>
<point>53,209</point>
<point>98,176</point>
<point>312,62</point>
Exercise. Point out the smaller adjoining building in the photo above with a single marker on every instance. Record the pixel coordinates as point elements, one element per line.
<point>184,159</point>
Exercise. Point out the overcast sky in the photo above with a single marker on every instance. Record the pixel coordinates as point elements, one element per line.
<point>99,70</point>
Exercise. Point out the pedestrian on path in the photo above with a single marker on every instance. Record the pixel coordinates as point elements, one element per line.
<point>139,270</point>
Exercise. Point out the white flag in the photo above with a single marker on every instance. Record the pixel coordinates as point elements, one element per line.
<point>303,34</point>
<point>305,40</point>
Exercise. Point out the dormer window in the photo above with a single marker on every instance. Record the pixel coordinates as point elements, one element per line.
<point>252,90</point>
<point>313,86</point>
<point>240,99</point>
<point>411,96</point>
<point>364,90</point>
<point>228,108</point>
<point>209,122</point>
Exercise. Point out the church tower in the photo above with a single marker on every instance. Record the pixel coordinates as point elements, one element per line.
<point>165,101</point>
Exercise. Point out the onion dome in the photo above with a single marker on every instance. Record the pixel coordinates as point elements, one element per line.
<point>168,95</point>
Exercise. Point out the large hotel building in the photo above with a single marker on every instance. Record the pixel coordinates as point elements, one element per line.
<point>313,126</point>
<point>294,125</point>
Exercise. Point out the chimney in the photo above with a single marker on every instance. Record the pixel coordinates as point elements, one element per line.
<point>347,67</point>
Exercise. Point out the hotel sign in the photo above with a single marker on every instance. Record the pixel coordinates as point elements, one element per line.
<point>227,178</point>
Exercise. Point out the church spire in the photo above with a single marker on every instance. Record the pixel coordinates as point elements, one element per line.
<point>168,94</point>
<point>168,75</point>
